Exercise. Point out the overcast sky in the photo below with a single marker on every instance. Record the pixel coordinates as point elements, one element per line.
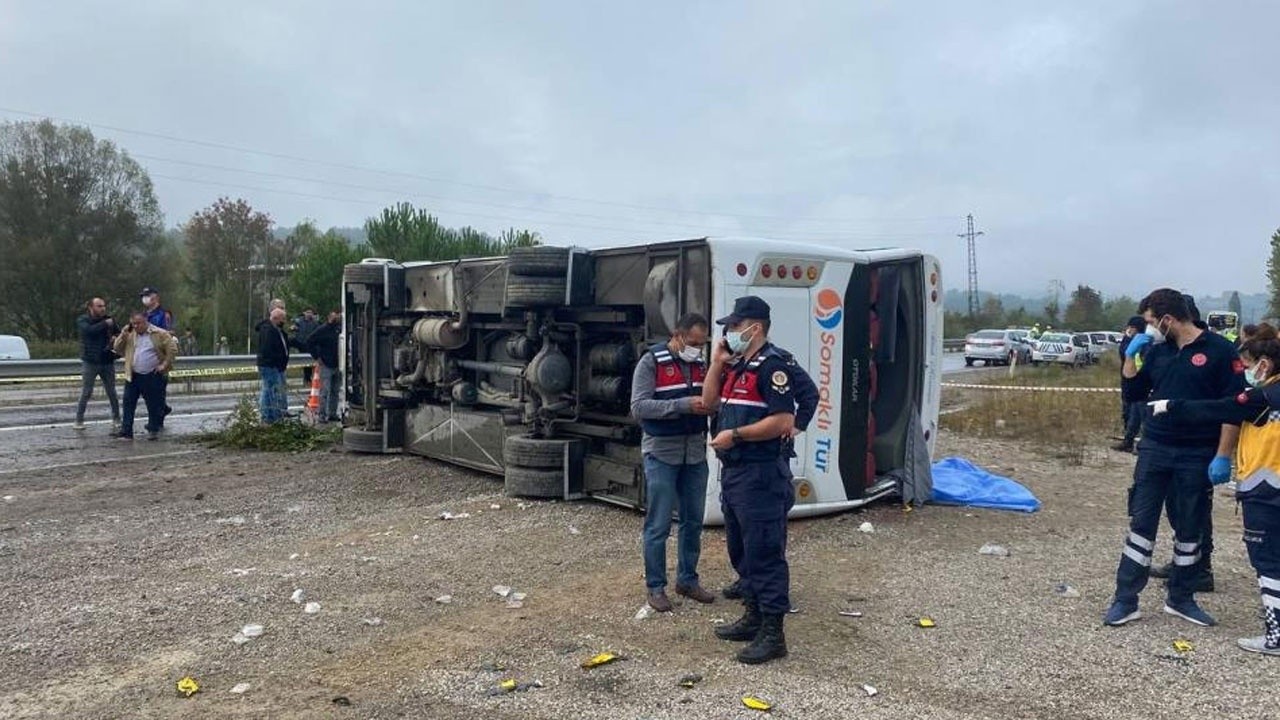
<point>1121,144</point>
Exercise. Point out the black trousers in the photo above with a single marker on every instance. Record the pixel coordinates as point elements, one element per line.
<point>151,388</point>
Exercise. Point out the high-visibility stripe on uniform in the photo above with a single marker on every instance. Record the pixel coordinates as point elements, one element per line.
<point>1137,556</point>
<point>1141,542</point>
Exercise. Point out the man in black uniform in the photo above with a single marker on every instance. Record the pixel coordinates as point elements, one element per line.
<point>1130,412</point>
<point>751,383</point>
<point>1177,459</point>
<point>806,399</point>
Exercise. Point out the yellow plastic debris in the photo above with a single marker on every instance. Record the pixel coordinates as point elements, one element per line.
<point>188,686</point>
<point>508,685</point>
<point>603,658</point>
<point>925,622</point>
<point>756,703</point>
<point>1183,646</point>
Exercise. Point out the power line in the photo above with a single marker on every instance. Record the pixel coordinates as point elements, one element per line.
<point>476,186</point>
<point>688,231</point>
<point>501,206</point>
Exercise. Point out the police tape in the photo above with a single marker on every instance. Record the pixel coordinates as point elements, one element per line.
<point>1029,388</point>
<point>173,375</point>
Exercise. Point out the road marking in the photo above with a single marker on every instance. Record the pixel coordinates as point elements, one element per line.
<point>103,461</point>
<point>72,403</point>
<point>53,426</point>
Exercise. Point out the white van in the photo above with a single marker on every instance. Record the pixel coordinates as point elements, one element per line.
<point>13,347</point>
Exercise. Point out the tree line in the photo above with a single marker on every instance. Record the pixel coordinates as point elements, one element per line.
<point>79,219</point>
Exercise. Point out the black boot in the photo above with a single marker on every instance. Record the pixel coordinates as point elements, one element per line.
<point>1161,571</point>
<point>746,628</point>
<point>1203,581</point>
<point>734,591</point>
<point>769,644</point>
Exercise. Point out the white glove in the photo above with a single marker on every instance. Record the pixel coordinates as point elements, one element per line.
<point>1158,407</point>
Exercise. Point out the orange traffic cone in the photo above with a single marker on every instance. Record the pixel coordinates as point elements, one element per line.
<point>313,402</point>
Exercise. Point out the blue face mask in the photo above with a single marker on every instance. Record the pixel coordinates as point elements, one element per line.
<point>1251,376</point>
<point>737,341</point>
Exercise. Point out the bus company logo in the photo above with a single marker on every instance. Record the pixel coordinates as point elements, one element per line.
<point>829,310</point>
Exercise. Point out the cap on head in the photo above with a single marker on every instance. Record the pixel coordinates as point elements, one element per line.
<point>148,290</point>
<point>748,307</point>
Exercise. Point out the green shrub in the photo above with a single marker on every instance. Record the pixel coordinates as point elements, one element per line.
<point>243,430</point>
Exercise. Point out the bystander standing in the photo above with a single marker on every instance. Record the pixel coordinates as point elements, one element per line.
<point>97,329</point>
<point>148,354</point>
<point>273,360</point>
<point>324,348</point>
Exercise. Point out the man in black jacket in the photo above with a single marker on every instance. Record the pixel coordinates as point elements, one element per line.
<point>96,359</point>
<point>323,345</point>
<point>273,360</point>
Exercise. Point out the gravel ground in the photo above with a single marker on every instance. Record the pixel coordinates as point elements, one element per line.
<point>120,580</point>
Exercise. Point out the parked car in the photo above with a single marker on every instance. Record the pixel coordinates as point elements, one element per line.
<point>1100,343</point>
<point>1065,348</point>
<point>13,347</point>
<point>996,347</point>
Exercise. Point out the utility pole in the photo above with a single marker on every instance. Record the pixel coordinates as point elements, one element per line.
<point>970,236</point>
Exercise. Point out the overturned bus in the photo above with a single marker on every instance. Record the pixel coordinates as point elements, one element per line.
<point>521,365</point>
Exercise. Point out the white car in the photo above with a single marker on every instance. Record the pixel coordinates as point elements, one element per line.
<point>13,347</point>
<point>996,347</point>
<point>1100,343</point>
<point>1059,347</point>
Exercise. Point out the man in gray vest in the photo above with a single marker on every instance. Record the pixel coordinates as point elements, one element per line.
<point>666,397</point>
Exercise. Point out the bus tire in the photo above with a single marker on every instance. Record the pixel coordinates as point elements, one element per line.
<point>533,482</point>
<point>362,441</point>
<point>534,291</point>
<point>538,261</point>
<point>535,453</point>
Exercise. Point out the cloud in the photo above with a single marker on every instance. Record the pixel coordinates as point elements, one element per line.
<point>1125,145</point>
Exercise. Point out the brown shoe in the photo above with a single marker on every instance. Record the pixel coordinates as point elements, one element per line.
<point>696,593</point>
<point>659,601</point>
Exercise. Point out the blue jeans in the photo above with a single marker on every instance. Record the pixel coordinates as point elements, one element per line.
<point>330,391</point>
<point>272,403</point>
<point>668,488</point>
<point>1176,477</point>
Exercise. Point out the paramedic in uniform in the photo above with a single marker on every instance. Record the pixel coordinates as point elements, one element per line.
<point>750,383</point>
<point>1258,457</point>
<point>666,397</point>
<point>1177,459</point>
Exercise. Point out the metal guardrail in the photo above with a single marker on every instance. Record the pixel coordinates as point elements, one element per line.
<point>953,345</point>
<point>184,367</point>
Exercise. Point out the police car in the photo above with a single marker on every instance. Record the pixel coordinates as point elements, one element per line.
<point>1059,347</point>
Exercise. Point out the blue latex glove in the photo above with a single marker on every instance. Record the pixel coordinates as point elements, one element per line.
<point>1136,344</point>
<point>1220,470</point>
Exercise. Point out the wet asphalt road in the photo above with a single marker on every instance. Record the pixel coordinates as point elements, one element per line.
<point>41,435</point>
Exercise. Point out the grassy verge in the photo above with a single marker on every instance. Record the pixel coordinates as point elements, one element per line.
<point>1066,425</point>
<point>243,430</point>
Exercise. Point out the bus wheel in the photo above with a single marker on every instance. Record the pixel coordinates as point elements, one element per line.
<point>534,483</point>
<point>529,452</point>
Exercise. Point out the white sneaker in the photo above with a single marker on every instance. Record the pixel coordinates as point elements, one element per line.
<point>1258,645</point>
<point>77,425</point>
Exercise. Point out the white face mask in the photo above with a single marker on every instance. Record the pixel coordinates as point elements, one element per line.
<point>1153,331</point>
<point>691,353</point>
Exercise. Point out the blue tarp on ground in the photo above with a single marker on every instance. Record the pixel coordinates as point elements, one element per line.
<point>957,481</point>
